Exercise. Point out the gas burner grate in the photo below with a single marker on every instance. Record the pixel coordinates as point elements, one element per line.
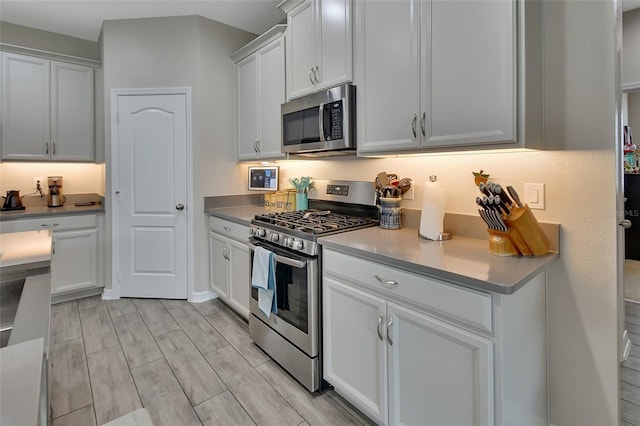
<point>314,222</point>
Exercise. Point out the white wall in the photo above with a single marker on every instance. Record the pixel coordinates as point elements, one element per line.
<point>186,51</point>
<point>578,168</point>
<point>78,177</point>
<point>631,48</point>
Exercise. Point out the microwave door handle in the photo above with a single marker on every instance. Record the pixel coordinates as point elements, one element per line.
<point>321,122</point>
<point>281,259</point>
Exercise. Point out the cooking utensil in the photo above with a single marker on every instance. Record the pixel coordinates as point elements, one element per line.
<point>383,179</point>
<point>515,196</point>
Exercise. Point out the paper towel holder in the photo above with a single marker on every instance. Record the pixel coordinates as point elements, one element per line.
<point>443,236</point>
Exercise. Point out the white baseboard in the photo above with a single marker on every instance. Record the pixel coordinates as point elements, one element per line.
<point>202,296</point>
<point>107,294</point>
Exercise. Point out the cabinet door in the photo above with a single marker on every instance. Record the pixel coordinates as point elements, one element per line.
<point>72,113</point>
<point>334,42</point>
<point>247,89</point>
<point>74,264</point>
<point>354,349</point>
<point>218,264</point>
<point>388,75</point>
<point>470,75</point>
<point>301,50</point>
<point>438,374</point>
<point>272,95</point>
<point>239,279</point>
<point>25,108</point>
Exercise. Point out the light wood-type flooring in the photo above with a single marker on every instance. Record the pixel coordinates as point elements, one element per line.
<point>187,364</point>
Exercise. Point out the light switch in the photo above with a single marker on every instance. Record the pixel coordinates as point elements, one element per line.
<point>534,195</point>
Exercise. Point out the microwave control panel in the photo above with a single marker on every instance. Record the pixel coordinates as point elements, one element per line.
<point>338,190</point>
<point>335,117</point>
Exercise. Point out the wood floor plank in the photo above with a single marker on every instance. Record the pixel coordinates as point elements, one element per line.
<point>632,319</point>
<point>635,338</point>
<point>119,307</point>
<point>173,303</point>
<point>237,336</point>
<point>114,393</point>
<point>202,334</point>
<point>632,328</point>
<point>195,375</point>
<point>223,410</point>
<point>97,329</point>
<point>630,412</point>
<point>630,393</point>
<point>70,389</point>
<point>162,395</point>
<point>259,399</point>
<point>65,322</point>
<point>136,340</point>
<point>208,307</point>
<point>629,375</point>
<point>90,302</point>
<point>632,362</point>
<point>317,409</point>
<point>81,417</point>
<point>156,316</point>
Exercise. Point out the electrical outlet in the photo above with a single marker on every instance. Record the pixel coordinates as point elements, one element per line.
<point>35,182</point>
<point>410,194</point>
<point>534,195</point>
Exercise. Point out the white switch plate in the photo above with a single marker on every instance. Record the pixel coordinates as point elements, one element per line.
<point>534,195</point>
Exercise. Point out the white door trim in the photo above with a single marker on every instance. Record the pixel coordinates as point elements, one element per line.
<point>115,183</point>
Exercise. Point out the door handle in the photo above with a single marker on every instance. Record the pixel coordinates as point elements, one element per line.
<point>625,223</point>
<point>413,125</point>
<point>179,206</point>
<point>380,319</point>
<point>389,324</point>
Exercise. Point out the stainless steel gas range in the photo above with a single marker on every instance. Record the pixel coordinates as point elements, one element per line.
<point>292,335</point>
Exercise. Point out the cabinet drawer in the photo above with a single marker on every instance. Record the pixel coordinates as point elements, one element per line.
<point>57,223</point>
<point>229,229</point>
<point>448,300</point>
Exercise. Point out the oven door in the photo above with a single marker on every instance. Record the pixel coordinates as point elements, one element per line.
<point>297,296</point>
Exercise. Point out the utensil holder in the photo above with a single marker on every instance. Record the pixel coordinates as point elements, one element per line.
<point>532,237</point>
<point>500,243</point>
<point>302,202</point>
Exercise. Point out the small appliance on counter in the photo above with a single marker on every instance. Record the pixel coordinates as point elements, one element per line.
<point>55,197</point>
<point>434,202</point>
<point>12,201</point>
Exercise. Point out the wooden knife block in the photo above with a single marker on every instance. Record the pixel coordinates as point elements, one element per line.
<point>525,236</point>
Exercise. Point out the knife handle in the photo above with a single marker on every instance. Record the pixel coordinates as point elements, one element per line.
<point>515,196</point>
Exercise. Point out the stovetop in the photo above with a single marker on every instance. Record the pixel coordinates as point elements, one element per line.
<point>315,222</point>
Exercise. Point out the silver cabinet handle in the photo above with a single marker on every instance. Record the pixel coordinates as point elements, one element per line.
<point>46,148</point>
<point>625,223</point>
<point>259,148</point>
<point>386,282</point>
<point>389,324</point>
<point>225,253</point>
<point>49,225</point>
<point>179,206</point>
<point>54,148</point>
<point>380,319</point>
<point>226,228</point>
<point>316,71</point>
<point>413,125</point>
<point>311,76</point>
<point>422,121</point>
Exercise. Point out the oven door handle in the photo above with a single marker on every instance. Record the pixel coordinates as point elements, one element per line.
<point>291,262</point>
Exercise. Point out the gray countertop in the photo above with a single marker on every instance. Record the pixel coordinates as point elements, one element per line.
<point>37,207</point>
<point>238,214</point>
<point>461,260</point>
<point>21,371</point>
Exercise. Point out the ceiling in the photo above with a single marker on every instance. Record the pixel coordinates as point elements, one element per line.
<point>83,18</point>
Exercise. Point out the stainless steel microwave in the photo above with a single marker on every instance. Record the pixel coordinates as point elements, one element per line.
<point>322,123</point>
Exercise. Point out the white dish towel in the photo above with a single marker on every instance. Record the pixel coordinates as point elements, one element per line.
<point>263,278</point>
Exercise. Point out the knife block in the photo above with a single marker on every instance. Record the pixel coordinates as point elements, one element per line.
<point>500,243</point>
<point>532,240</point>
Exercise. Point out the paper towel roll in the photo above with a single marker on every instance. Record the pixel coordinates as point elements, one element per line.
<point>434,201</point>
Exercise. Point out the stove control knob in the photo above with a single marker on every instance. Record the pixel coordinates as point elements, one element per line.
<point>297,245</point>
<point>274,237</point>
<point>287,242</point>
<point>260,232</point>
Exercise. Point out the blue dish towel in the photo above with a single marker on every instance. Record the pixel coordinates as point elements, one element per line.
<point>264,279</point>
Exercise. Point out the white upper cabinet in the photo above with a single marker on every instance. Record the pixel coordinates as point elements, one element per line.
<point>47,110</point>
<point>25,108</point>
<point>319,45</point>
<point>260,91</point>
<point>447,75</point>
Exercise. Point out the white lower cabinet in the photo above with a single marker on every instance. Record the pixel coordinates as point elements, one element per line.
<point>76,267</point>
<point>397,346</point>
<point>229,263</point>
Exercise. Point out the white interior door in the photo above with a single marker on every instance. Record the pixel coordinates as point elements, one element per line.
<point>152,231</point>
